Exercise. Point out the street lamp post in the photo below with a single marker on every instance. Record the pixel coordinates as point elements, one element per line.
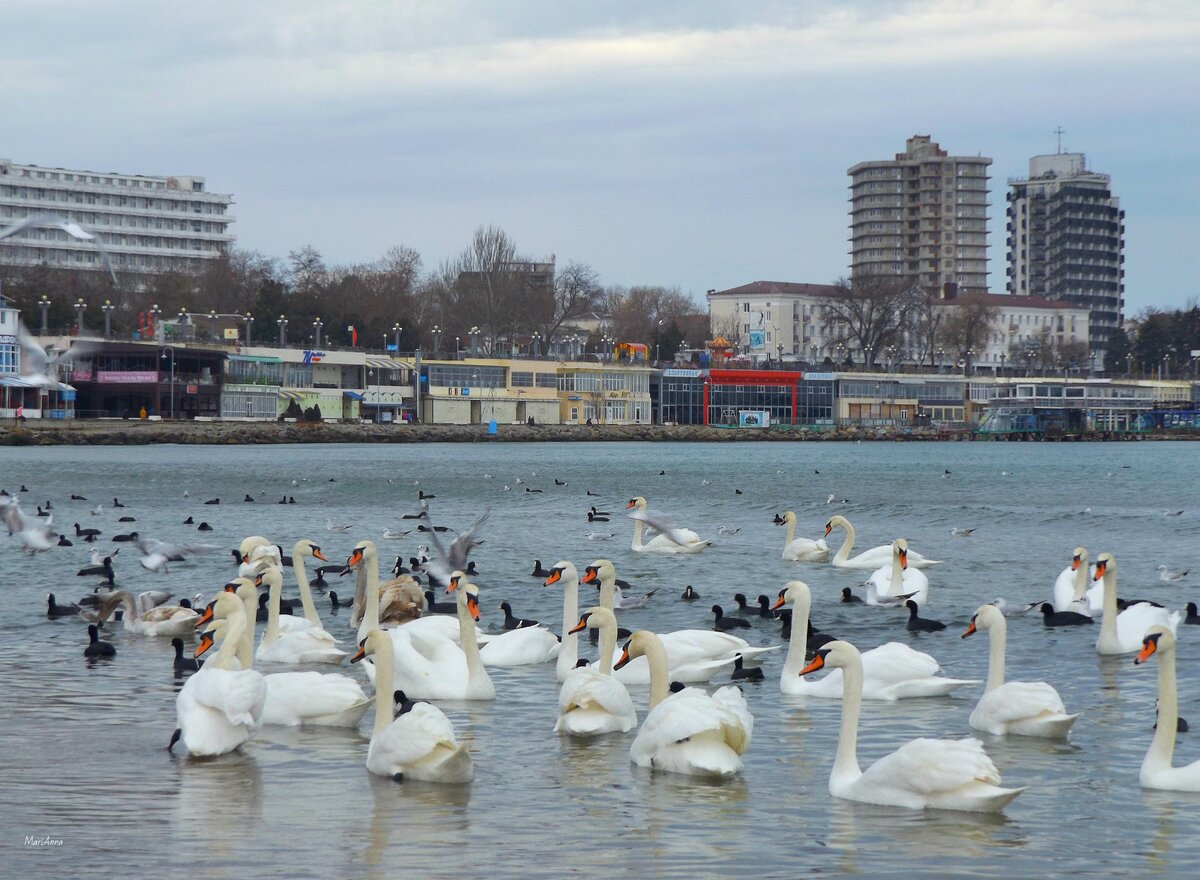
<point>437,340</point>
<point>941,354</point>
<point>1128,364</point>
<point>536,344</point>
<point>1001,363</point>
<point>80,308</point>
<point>1028,361</point>
<point>44,305</point>
<point>867,362</point>
<point>457,348</point>
<point>396,328</point>
<point>155,315</point>
<point>170,352</point>
<point>779,355</point>
<point>281,322</point>
<point>318,325</point>
<point>1166,370</point>
<point>474,331</point>
<point>891,357</point>
<point>967,355</point>
<point>212,323</point>
<point>814,348</point>
<point>107,308</point>
<point>249,321</point>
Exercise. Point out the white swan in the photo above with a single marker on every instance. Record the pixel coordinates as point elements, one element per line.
<point>1123,633</point>
<point>301,550</point>
<point>941,774</point>
<point>307,698</point>
<point>1070,587</point>
<point>801,549</point>
<point>161,620</point>
<point>219,707</point>
<point>892,671</point>
<point>524,646</point>
<point>688,731</point>
<point>310,645</point>
<point>1025,708</point>
<point>254,549</point>
<point>592,702</point>
<point>566,574</point>
<point>670,539</point>
<point>429,666</point>
<point>1157,771</point>
<point>873,558</point>
<point>419,744</point>
<point>692,654</point>
<point>898,577</point>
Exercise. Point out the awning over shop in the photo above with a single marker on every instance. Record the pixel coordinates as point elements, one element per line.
<point>386,364</point>
<point>22,382</point>
<point>291,395</point>
<point>353,395</point>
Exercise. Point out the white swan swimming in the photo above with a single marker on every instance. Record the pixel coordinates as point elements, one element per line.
<point>941,774</point>
<point>892,671</point>
<point>1123,633</point>
<point>670,540</point>
<point>309,645</point>
<point>219,707</point>
<point>565,573</point>
<point>1070,587</point>
<point>692,654</point>
<point>873,558</point>
<point>1025,708</point>
<point>801,549</point>
<point>1157,771</point>
<point>419,744</point>
<point>524,646</point>
<point>429,666</point>
<point>898,577</point>
<point>591,702</point>
<point>689,731</point>
<point>256,553</point>
<point>161,620</point>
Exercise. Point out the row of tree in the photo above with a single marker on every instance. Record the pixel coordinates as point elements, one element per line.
<point>517,303</point>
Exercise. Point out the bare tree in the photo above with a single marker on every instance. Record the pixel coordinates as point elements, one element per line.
<point>872,310</point>
<point>968,325</point>
<point>577,292</point>
<point>928,313</point>
<point>646,314</point>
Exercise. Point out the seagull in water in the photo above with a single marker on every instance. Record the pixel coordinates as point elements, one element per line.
<point>727,530</point>
<point>1170,575</point>
<point>962,533</point>
<point>597,536</point>
<point>1172,513</point>
<point>329,524</point>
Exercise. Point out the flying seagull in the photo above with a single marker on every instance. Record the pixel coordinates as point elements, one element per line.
<point>53,221</point>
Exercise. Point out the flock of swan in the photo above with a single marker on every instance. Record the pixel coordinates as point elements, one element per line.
<point>415,658</point>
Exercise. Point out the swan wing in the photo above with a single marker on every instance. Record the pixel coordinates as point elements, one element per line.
<point>686,715</point>
<point>414,736</point>
<point>739,723</point>
<point>595,701</point>
<point>933,767</point>
<point>894,662</point>
<point>238,695</point>
<point>294,697</point>
<point>1133,622</point>
<point>520,647</point>
<point>1015,701</point>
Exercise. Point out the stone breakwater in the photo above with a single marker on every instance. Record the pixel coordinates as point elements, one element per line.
<point>135,433</point>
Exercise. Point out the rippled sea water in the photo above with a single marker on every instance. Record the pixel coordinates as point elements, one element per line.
<point>83,747</point>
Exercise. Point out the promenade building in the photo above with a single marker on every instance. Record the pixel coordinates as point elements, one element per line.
<point>1066,236</point>
<point>147,224</point>
<point>922,215</point>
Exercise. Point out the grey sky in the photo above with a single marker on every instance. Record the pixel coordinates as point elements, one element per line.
<point>698,144</point>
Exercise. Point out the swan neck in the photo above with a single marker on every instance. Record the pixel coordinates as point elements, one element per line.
<point>638,526</point>
<point>370,618</point>
<point>470,643</point>
<point>845,763</point>
<point>245,652</point>
<point>997,639</point>
<point>384,664</point>
<point>608,646</point>
<point>791,533</point>
<point>847,545</point>
<point>1162,747</point>
<point>231,644</point>
<point>656,659</point>
<point>1080,581</point>
<point>568,654</point>
<point>608,591</point>
<point>1108,624</point>
<point>798,640</point>
<point>306,599</point>
<point>271,635</point>
<point>897,582</point>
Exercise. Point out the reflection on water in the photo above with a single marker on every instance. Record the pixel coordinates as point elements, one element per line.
<point>83,745</point>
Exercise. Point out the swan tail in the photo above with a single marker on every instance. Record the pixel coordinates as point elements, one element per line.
<point>592,721</point>
<point>448,764</point>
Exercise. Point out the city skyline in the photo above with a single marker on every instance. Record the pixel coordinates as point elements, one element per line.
<point>699,147</point>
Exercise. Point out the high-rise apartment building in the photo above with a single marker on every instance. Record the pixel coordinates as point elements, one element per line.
<point>922,215</point>
<point>147,224</point>
<point>1066,235</point>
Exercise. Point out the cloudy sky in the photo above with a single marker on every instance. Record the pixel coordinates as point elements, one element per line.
<point>702,145</point>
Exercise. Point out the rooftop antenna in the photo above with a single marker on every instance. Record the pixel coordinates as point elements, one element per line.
<point>1059,133</point>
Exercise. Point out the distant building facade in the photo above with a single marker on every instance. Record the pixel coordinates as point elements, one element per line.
<point>1066,234</point>
<point>147,224</point>
<point>922,215</point>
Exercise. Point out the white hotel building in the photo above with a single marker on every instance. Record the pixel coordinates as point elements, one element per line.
<point>769,320</point>
<point>147,224</point>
